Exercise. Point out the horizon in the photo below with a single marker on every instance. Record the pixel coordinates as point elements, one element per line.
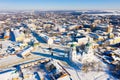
<point>87,10</point>
<point>59,5</point>
<point>60,10</point>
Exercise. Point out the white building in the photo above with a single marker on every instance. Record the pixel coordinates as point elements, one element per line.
<point>26,52</point>
<point>7,34</point>
<point>47,39</point>
<point>19,36</point>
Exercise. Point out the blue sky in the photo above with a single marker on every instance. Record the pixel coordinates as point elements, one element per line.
<point>59,4</point>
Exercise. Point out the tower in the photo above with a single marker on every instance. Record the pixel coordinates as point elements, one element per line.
<point>110,28</point>
<point>73,53</point>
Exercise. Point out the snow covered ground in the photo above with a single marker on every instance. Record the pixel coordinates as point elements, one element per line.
<point>92,75</point>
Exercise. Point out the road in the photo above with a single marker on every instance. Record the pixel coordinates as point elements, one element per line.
<point>12,60</point>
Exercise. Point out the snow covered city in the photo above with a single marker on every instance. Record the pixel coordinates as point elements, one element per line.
<point>59,39</point>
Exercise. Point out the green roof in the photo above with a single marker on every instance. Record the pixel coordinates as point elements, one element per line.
<point>73,45</point>
<point>88,44</point>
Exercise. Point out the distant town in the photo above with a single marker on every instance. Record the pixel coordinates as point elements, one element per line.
<point>60,45</point>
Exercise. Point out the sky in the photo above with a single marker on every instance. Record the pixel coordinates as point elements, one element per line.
<point>58,4</point>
